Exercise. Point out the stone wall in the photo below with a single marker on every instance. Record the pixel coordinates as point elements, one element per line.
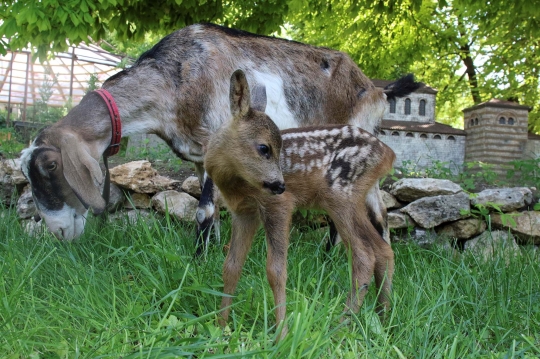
<point>415,103</point>
<point>532,149</point>
<point>423,149</point>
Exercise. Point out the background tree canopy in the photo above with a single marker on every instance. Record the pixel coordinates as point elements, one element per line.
<point>470,51</point>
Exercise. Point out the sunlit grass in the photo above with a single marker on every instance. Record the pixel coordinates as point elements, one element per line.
<point>135,291</point>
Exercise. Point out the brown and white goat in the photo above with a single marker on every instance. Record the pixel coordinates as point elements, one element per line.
<point>179,91</point>
<point>324,167</point>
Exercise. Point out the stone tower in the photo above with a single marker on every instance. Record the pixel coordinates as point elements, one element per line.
<point>496,132</point>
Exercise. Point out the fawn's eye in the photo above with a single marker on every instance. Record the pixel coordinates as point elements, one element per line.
<point>51,166</point>
<point>264,150</point>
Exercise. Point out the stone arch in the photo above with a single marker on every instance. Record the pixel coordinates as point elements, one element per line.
<point>422,108</point>
<point>407,106</point>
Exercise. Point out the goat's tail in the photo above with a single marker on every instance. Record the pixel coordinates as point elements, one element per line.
<point>402,87</point>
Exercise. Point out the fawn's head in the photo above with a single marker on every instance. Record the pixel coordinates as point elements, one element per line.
<point>249,147</point>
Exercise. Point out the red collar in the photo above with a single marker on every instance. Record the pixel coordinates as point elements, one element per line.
<point>114,147</point>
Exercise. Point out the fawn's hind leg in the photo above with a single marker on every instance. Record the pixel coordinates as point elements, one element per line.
<point>243,230</point>
<point>384,271</point>
<point>350,229</point>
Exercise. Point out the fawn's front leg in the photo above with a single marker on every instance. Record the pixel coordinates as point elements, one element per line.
<point>242,233</point>
<point>276,221</point>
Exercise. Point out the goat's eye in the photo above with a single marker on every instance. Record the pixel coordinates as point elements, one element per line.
<point>264,150</point>
<point>51,166</point>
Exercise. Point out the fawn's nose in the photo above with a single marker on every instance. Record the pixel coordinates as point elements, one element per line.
<point>276,187</point>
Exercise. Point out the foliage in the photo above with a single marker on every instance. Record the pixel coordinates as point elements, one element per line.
<point>47,24</point>
<point>136,291</point>
<point>468,50</point>
<point>93,83</point>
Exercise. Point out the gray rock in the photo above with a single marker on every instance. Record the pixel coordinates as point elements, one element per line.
<point>33,228</point>
<point>140,177</point>
<point>138,200</point>
<point>179,204</point>
<point>11,171</point>
<point>116,197</point>
<point>463,229</point>
<point>26,208</point>
<point>192,186</point>
<point>390,202</point>
<point>132,216</point>
<point>489,244</point>
<point>411,189</point>
<point>397,220</point>
<point>429,212</point>
<point>508,199</point>
<point>524,225</point>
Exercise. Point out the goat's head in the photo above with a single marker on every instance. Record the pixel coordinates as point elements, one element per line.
<point>250,145</point>
<point>65,180</point>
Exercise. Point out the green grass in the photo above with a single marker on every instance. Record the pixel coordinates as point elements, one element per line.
<point>135,291</point>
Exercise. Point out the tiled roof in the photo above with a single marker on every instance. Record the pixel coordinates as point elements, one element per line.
<point>494,102</point>
<point>428,127</point>
<point>423,89</point>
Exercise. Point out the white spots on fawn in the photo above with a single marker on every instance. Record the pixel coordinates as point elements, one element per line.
<point>336,152</point>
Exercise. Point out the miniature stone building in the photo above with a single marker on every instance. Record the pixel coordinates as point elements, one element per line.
<point>410,129</point>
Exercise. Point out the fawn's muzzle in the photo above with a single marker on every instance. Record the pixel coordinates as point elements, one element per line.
<point>275,187</point>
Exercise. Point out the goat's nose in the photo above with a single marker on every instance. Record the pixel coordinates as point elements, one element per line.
<point>276,187</point>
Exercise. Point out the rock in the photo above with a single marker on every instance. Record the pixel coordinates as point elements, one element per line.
<point>140,177</point>
<point>429,212</point>
<point>508,199</point>
<point>398,220</point>
<point>132,216</point>
<point>463,229</point>
<point>116,197</point>
<point>423,238</point>
<point>486,245</point>
<point>524,225</point>
<point>7,194</point>
<point>11,171</point>
<point>179,204</point>
<point>138,200</point>
<point>390,202</point>
<point>411,189</point>
<point>26,208</point>
<point>32,227</point>
<point>192,186</point>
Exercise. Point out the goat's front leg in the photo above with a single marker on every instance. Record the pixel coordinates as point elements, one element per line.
<point>207,215</point>
<point>276,221</point>
<point>243,230</point>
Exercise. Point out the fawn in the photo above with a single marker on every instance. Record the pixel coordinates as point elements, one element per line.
<point>326,167</point>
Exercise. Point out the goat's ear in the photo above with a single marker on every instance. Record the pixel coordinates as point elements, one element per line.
<point>239,94</point>
<point>82,173</point>
<point>258,98</point>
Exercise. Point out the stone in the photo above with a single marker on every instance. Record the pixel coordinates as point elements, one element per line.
<point>507,199</point>
<point>138,200</point>
<point>397,220</point>
<point>390,202</point>
<point>486,245</point>
<point>116,197</point>
<point>132,216</point>
<point>26,208</point>
<point>192,186</point>
<point>33,228</point>
<point>179,204</point>
<point>11,171</point>
<point>429,212</point>
<point>7,194</point>
<point>463,229</point>
<point>524,225</point>
<point>422,237</point>
<point>140,177</point>
<point>411,189</point>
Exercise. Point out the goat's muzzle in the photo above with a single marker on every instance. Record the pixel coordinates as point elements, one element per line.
<point>276,187</point>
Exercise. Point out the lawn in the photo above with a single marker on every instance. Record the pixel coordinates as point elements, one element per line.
<point>135,291</point>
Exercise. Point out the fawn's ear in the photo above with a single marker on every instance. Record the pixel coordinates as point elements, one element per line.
<point>258,98</point>
<point>239,94</point>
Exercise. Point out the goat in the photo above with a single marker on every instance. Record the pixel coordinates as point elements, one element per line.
<point>179,91</point>
<point>325,167</point>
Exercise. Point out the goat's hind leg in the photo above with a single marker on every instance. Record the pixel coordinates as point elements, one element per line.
<point>384,271</point>
<point>243,231</point>
<point>207,215</point>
